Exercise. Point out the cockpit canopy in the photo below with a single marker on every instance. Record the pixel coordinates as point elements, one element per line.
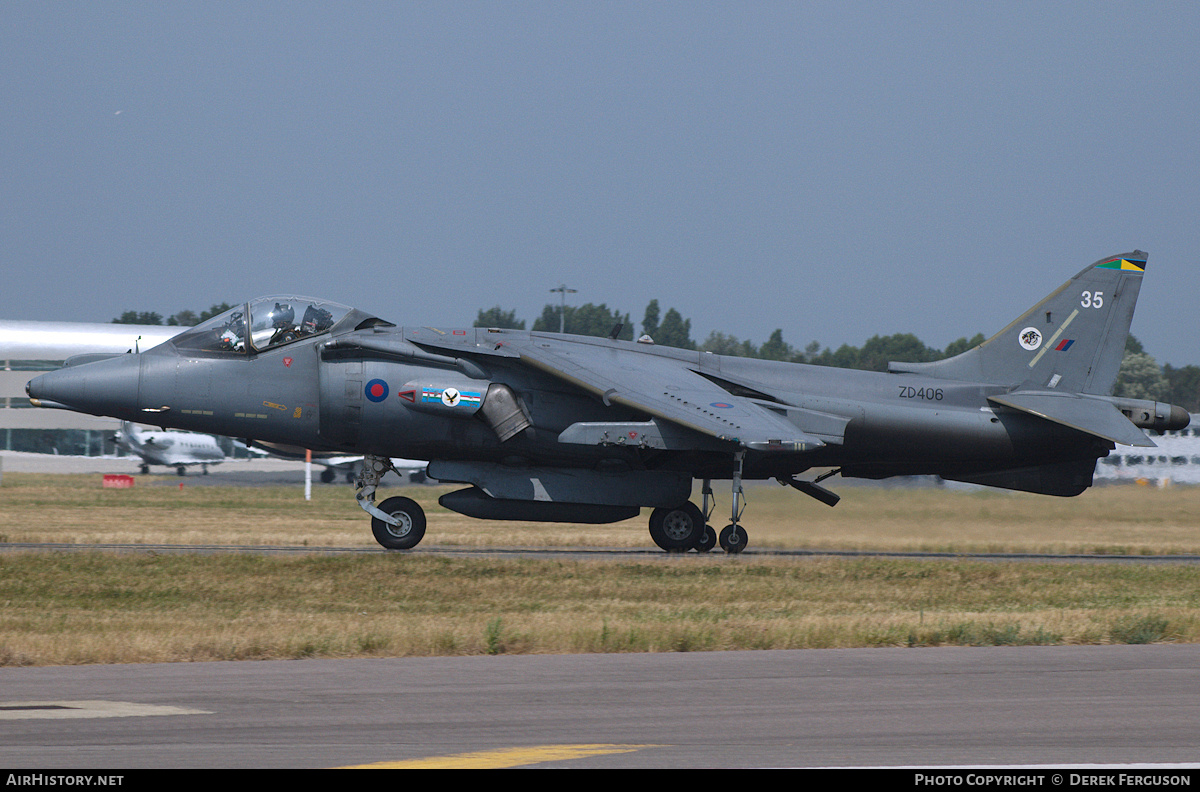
<point>262,324</point>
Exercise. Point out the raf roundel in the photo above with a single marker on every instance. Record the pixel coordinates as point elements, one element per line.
<point>377,390</point>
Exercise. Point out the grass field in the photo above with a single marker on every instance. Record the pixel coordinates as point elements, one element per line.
<point>64,608</point>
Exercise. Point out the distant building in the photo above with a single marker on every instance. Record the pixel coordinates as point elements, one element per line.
<point>29,348</point>
<point>1176,460</point>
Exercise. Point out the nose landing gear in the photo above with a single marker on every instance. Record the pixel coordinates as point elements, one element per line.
<point>397,523</point>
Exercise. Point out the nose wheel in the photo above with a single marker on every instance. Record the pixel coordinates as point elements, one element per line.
<point>408,529</point>
<point>397,523</point>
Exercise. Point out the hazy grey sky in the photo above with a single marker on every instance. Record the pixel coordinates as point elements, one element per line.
<point>834,169</point>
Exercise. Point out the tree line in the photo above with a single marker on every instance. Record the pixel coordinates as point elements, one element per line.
<point>1141,377</point>
<point>181,319</point>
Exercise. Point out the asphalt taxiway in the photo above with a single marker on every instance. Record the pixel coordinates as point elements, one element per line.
<point>993,706</point>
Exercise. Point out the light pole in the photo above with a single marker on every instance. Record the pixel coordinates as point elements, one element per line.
<point>562,311</point>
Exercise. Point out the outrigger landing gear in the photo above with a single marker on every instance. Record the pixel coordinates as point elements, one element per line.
<point>397,523</point>
<point>733,537</point>
<point>687,528</point>
<point>709,540</point>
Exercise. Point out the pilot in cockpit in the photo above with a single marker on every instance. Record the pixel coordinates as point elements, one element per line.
<point>256,326</point>
<point>284,315</point>
<point>283,320</point>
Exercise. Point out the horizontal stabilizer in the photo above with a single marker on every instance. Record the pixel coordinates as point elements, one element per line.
<point>1091,416</point>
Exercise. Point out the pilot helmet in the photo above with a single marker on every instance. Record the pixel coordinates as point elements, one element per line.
<point>283,315</point>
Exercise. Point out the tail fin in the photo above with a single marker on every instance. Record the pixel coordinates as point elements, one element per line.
<point>1072,341</point>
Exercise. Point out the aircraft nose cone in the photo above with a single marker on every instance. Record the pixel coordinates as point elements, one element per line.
<point>105,387</point>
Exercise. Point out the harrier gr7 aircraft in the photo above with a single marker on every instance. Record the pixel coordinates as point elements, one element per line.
<point>173,449</point>
<point>543,426</point>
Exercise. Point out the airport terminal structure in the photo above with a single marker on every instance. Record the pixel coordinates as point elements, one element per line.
<point>28,348</point>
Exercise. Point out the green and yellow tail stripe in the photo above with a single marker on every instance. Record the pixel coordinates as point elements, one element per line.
<point>1123,264</point>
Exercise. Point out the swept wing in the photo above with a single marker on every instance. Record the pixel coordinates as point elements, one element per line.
<point>661,387</point>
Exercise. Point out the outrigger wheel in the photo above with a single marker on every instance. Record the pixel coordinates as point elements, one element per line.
<point>733,538</point>
<point>679,529</point>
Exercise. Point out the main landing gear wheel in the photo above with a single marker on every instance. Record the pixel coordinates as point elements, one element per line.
<point>408,532</point>
<point>733,539</point>
<point>677,530</point>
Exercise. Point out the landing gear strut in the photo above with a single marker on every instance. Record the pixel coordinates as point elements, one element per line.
<point>397,523</point>
<point>733,537</point>
<point>709,540</point>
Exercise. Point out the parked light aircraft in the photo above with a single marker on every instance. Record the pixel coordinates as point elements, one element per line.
<point>543,426</point>
<point>173,449</point>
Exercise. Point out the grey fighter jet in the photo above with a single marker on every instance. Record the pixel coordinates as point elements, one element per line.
<point>543,426</point>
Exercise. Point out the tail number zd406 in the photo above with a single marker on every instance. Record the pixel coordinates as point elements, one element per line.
<point>928,394</point>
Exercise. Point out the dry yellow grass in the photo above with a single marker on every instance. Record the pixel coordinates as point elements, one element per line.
<point>68,608</point>
<point>1115,519</point>
<point>61,608</point>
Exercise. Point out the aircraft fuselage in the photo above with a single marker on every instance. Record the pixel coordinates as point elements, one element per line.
<point>896,423</point>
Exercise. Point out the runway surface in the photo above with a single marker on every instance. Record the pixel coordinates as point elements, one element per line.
<point>988,706</point>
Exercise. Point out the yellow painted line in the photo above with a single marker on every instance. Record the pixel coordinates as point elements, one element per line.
<point>507,757</point>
